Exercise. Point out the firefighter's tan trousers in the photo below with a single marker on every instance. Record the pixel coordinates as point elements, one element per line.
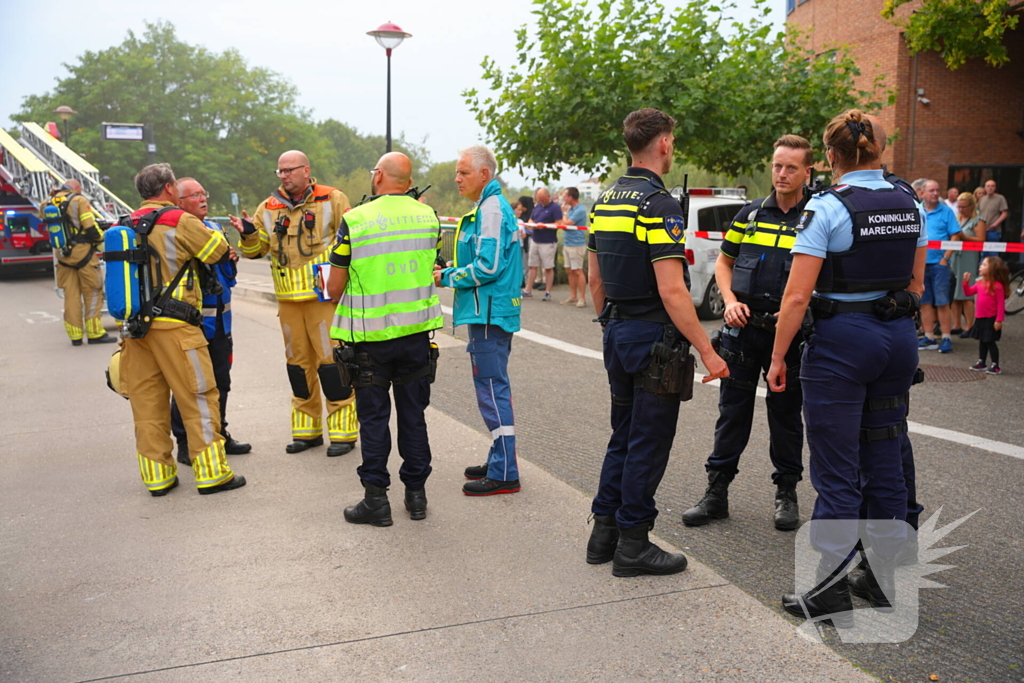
<point>309,351</point>
<point>82,286</point>
<point>165,361</point>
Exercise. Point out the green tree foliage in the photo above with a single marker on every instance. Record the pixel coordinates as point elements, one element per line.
<point>580,72</point>
<point>214,117</point>
<point>958,30</point>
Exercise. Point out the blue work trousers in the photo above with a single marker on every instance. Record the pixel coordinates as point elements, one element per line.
<point>643,427</point>
<point>850,358</point>
<point>751,356</point>
<point>395,358</point>
<point>489,347</point>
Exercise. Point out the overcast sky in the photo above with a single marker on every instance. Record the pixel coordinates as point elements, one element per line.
<point>321,47</point>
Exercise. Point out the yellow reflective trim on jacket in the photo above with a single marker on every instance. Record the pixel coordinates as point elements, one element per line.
<point>735,235</point>
<point>294,284</point>
<point>765,239</point>
<point>655,220</point>
<point>613,223</point>
<point>661,236</point>
<point>215,241</point>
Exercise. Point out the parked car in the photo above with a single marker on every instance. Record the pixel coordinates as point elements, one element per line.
<point>711,211</point>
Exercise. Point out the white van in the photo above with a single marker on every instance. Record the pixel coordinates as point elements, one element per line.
<point>711,211</point>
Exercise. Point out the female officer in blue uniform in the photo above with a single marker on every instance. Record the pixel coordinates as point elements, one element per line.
<point>861,251</point>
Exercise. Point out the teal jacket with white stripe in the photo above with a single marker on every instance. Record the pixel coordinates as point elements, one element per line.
<point>488,270</point>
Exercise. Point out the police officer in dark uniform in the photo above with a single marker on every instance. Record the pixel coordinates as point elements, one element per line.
<point>751,273</point>
<point>860,247</point>
<point>638,282</point>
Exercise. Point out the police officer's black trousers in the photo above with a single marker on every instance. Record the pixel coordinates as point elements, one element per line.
<point>395,358</point>
<point>752,349</point>
<point>221,349</point>
<point>643,427</point>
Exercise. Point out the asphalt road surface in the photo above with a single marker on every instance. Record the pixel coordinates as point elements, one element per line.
<point>971,630</point>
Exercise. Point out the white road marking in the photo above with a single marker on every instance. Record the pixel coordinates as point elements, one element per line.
<point>915,427</point>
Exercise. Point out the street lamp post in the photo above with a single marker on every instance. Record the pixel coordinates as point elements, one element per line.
<point>389,36</point>
<point>65,112</point>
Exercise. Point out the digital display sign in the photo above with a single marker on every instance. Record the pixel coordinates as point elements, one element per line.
<point>124,131</point>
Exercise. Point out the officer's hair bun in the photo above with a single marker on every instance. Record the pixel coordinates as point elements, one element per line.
<point>851,138</point>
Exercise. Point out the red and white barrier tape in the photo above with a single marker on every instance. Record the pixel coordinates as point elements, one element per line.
<point>1009,247</point>
<point>1001,247</point>
<point>449,219</point>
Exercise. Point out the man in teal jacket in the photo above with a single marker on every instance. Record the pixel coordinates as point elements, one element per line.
<point>486,275</point>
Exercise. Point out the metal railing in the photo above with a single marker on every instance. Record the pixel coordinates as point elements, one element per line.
<point>65,164</point>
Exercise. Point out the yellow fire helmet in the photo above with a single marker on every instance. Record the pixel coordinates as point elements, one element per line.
<point>113,373</point>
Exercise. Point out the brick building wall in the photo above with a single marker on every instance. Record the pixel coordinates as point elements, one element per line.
<point>975,115</point>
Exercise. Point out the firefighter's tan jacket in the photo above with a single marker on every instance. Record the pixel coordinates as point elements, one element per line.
<point>297,236</point>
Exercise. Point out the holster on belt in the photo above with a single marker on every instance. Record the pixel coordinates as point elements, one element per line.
<point>672,368</point>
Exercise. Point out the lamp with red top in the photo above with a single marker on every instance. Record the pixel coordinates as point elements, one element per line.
<point>389,36</point>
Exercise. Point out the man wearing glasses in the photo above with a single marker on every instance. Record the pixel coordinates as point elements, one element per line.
<point>217,281</point>
<point>295,225</point>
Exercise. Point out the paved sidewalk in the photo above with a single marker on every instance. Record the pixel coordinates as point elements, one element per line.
<point>268,583</point>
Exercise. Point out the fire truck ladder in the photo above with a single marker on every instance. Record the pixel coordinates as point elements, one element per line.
<point>22,169</point>
<point>64,165</point>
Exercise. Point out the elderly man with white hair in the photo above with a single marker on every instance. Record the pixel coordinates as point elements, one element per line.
<point>486,275</point>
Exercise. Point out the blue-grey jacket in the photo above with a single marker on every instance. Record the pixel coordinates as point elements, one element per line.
<point>488,268</point>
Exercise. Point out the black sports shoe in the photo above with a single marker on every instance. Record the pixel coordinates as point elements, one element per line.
<point>183,457</point>
<point>476,472</point>
<point>236,482</point>
<point>490,487</point>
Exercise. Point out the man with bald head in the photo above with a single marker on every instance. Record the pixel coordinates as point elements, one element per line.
<point>295,226</point>
<point>78,264</point>
<point>382,279</point>
<point>543,242</point>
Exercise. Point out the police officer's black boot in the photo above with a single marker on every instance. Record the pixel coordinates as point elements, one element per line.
<point>604,538</point>
<point>635,554</point>
<point>714,504</point>
<point>833,602</point>
<point>373,509</point>
<point>416,503</point>
<point>877,583</point>
<point>787,511</point>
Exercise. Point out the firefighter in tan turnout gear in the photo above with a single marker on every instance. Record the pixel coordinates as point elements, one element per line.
<point>172,355</point>
<point>78,266</point>
<point>296,225</point>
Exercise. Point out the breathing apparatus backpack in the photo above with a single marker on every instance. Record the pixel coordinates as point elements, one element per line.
<point>61,232</point>
<point>134,296</point>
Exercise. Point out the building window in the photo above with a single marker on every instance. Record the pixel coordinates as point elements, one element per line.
<point>790,6</point>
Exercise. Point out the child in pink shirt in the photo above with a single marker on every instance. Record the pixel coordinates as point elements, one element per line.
<point>989,304</point>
